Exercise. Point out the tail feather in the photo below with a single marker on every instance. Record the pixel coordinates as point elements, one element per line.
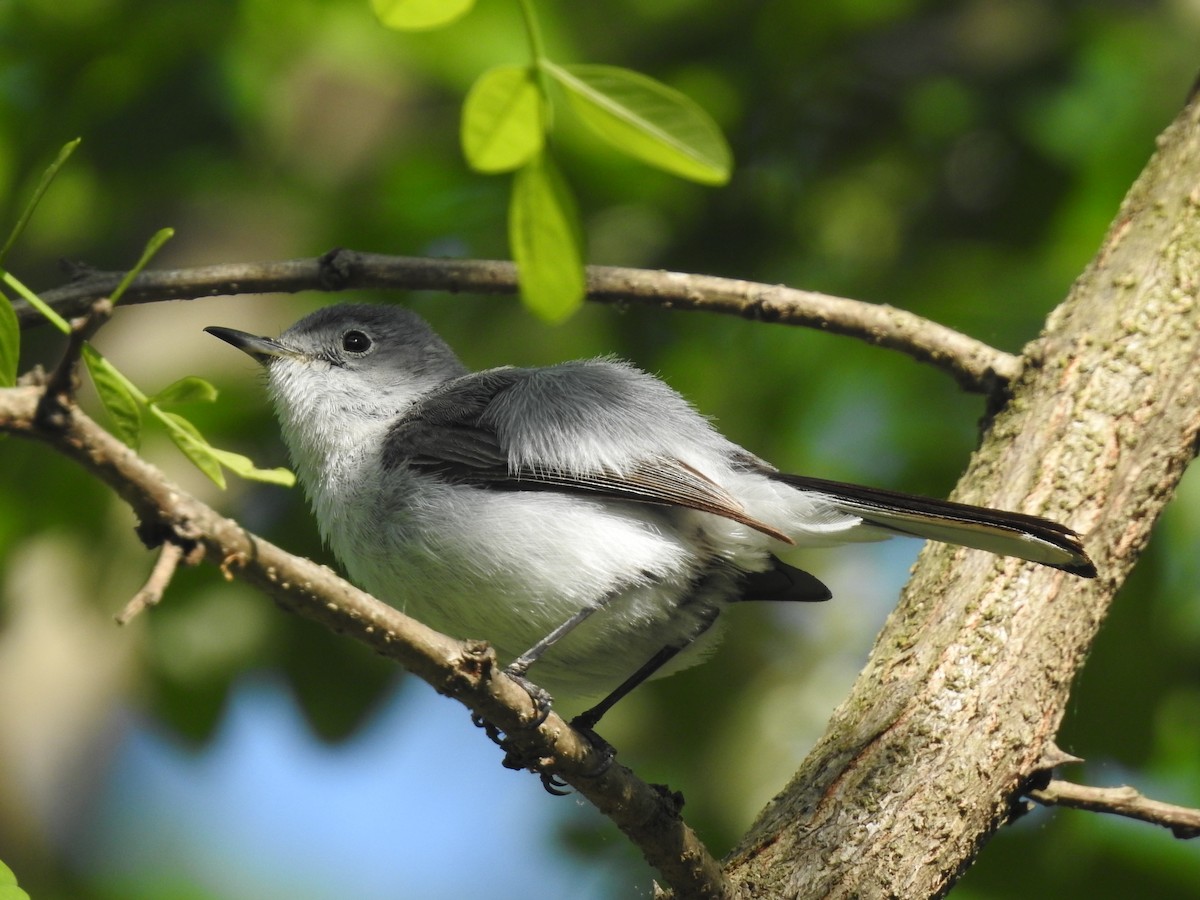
<point>996,531</point>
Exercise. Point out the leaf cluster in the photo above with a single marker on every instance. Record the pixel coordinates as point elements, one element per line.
<point>126,404</point>
<point>508,124</point>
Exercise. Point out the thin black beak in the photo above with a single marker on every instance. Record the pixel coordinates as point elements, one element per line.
<point>263,349</point>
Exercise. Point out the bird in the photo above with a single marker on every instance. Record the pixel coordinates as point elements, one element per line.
<point>581,517</point>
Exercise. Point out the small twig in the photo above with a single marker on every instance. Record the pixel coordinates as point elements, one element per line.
<point>63,381</point>
<point>975,365</point>
<point>152,591</point>
<point>1121,801</point>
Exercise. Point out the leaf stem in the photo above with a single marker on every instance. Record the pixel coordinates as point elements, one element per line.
<point>537,50</point>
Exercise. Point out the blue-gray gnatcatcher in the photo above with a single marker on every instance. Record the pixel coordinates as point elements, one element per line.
<point>581,516</point>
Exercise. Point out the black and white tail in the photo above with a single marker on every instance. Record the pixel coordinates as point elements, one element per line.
<point>996,531</point>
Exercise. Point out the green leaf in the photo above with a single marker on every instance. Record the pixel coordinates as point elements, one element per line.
<point>119,401</point>
<point>189,389</point>
<point>35,301</point>
<point>191,442</point>
<point>209,459</point>
<point>547,243</point>
<point>47,177</point>
<point>647,120</point>
<point>8,885</point>
<point>419,15</point>
<point>502,121</point>
<point>153,245</point>
<point>245,468</point>
<point>10,343</point>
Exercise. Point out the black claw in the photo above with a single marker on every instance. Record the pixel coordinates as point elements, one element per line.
<point>489,729</point>
<point>553,784</point>
<point>541,699</point>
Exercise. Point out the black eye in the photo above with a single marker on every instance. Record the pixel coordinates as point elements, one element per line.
<point>355,342</point>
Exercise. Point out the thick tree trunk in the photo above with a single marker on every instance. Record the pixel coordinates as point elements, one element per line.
<point>958,706</point>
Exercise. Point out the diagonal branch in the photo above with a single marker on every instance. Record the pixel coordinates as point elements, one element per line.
<point>170,555</point>
<point>975,365</point>
<point>648,815</point>
<point>1121,801</point>
<point>970,677</point>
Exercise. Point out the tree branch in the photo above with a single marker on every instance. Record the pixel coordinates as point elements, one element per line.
<point>648,815</point>
<point>1121,801</point>
<point>973,364</point>
<point>64,380</point>
<point>969,679</point>
<point>170,555</point>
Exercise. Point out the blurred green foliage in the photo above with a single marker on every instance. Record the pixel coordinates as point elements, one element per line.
<point>961,160</point>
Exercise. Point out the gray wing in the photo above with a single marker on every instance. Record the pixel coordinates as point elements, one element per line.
<point>546,429</point>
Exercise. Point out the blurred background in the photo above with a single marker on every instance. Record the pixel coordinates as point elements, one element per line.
<point>961,160</point>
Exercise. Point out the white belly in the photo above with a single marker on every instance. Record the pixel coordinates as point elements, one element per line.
<point>508,567</point>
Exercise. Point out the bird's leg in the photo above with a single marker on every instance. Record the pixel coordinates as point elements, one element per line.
<point>542,699</point>
<point>586,720</point>
<point>519,666</point>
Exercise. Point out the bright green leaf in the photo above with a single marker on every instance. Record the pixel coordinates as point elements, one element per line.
<point>187,438</point>
<point>120,403</point>
<point>502,121</point>
<point>419,15</point>
<point>189,389</point>
<point>153,245</point>
<point>647,120</point>
<point>10,343</point>
<point>547,243</point>
<point>209,459</point>
<point>35,301</point>
<point>47,177</point>
<point>8,885</point>
<point>245,468</point>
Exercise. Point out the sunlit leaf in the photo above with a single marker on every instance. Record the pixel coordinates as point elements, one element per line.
<point>187,438</point>
<point>7,876</point>
<point>547,244</point>
<point>419,15</point>
<point>10,343</point>
<point>243,467</point>
<point>502,122</point>
<point>11,281</point>
<point>189,389</point>
<point>43,183</point>
<point>119,401</point>
<point>209,459</point>
<point>647,120</point>
<point>153,245</point>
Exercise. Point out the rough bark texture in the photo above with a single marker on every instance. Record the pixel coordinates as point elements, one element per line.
<point>967,684</point>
